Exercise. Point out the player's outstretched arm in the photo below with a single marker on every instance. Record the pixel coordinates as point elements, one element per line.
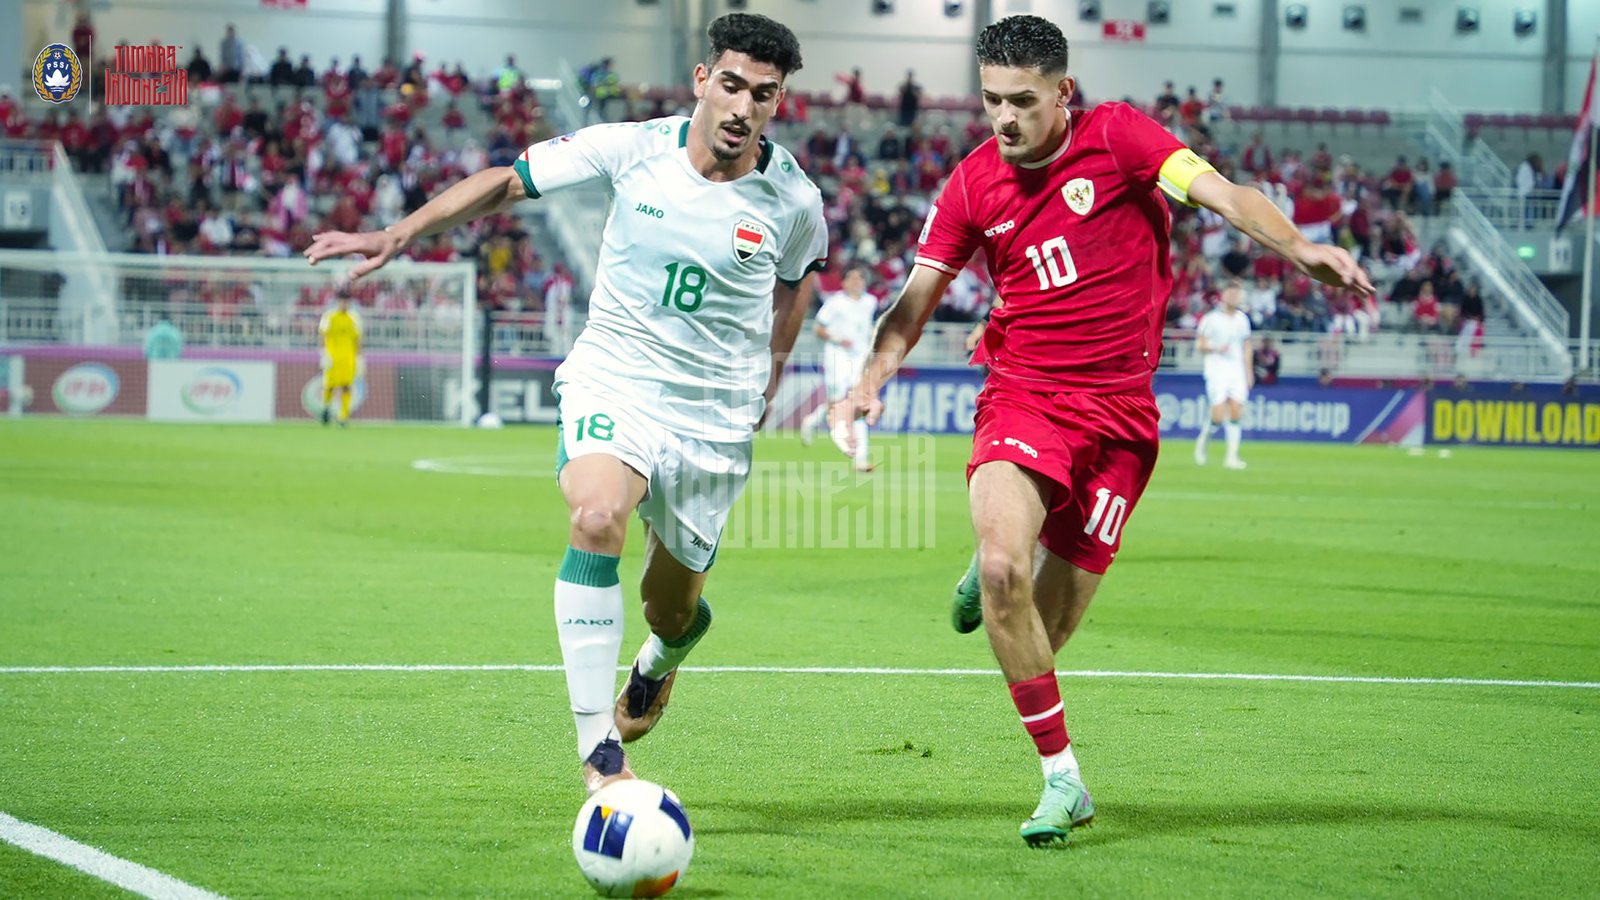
<point>898,332</point>
<point>472,197</point>
<point>1248,210</point>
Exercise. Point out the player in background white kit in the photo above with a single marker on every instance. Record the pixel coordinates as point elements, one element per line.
<point>704,282</point>
<point>845,326</point>
<point>1223,336</point>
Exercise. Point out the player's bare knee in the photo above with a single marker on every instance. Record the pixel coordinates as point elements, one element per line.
<point>669,619</point>
<point>599,527</point>
<point>1003,574</point>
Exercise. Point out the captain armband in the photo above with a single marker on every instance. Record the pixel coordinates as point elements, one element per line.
<point>1179,172</point>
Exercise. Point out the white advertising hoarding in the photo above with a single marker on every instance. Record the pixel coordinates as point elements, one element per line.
<point>212,391</point>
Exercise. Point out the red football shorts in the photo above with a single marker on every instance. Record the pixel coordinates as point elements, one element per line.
<point>1097,449</point>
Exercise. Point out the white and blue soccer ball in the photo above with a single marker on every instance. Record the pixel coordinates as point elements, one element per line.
<point>491,420</point>
<point>632,839</point>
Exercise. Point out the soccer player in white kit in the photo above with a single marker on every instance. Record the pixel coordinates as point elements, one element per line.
<point>704,282</point>
<point>1223,335</point>
<point>845,326</point>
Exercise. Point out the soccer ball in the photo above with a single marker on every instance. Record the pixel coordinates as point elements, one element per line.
<point>632,839</point>
<point>490,420</point>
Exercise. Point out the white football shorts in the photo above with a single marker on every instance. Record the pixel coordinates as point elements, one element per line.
<point>693,483</point>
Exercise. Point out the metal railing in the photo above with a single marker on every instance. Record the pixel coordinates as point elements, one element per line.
<point>1509,279</point>
<point>1443,133</point>
<point>1508,210</point>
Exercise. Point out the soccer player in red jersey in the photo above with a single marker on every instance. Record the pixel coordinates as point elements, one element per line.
<point>1071,212</point>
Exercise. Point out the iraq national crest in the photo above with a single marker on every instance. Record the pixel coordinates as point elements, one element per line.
<point>748,239</point>
<point>57,74</point>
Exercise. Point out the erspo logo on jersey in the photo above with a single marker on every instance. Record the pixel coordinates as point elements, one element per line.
<point>748,238</point>
<point>57,74</point>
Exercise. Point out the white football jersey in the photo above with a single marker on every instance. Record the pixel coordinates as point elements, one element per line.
<point>681,314</point>
<point>1221,328</point>
<point>850,320</point>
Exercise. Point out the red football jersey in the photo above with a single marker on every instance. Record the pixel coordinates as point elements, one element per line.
<point>1078,249</point>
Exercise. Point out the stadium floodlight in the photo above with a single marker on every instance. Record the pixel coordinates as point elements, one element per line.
<point>1295,15</point>
<point>1524,21</point>
<point>1355,18</point>
<point>1466,20</point>
<point>1088,10</point>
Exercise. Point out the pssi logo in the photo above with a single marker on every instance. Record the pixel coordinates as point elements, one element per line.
<point>57,74</point>
<point>212,390</point>
<point>85,389</point>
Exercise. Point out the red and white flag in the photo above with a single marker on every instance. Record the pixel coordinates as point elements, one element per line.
<point>1576,184</point>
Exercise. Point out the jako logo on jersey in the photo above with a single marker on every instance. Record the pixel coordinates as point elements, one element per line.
<point>748,238</point>
<point>700,542</point>
<point>1013,442</point>
<point>1002,228</point>
<point>1079,194</point>
<point>928,225</point>
<point>604,623</point>
<point>649,210</point>
<point>57,74</point>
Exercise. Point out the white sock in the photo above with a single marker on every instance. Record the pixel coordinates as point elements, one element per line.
<point>1234,433</point>
<point>1061,762</point>
<point>658,657</point>
<point>1205,435</point>
<point>860,427</point>
<point>818,418</point>
<point>589,626</point>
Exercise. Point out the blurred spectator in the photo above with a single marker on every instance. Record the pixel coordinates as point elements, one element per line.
<point>1167,100</point>
<point>1423,188</point>
<point>231,57</point>
<point>282,72</point>
<point>910,99</point>
<point>1529,174</point>
<point>1425,314</point>
<point>1191,108</point>
<point>1216,103</point>
<point>199,68</point>
<point>163,341</point>
<point>1255,157</point>
<point>855,92</point>
<point>83,38</point>
<point>1398,184</point>
<point>1444,184</point>
<point>1266,360</point>
<point>1261,303</point>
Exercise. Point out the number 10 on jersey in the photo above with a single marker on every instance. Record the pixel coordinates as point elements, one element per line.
<point>1052,262</point>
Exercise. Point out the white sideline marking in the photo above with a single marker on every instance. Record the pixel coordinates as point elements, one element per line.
<point>805,670</point>
<point>130,876</point>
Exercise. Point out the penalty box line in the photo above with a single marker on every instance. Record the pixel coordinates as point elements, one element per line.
<point>807,670</point>
<point>92,861</point>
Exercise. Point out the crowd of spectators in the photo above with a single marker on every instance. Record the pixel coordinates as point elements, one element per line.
<point>265,156</point>
<point>877,187</point>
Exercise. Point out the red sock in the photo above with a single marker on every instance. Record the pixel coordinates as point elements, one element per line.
<point>1038,700</point>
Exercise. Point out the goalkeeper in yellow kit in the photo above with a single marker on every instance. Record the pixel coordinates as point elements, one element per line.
<point>341,350</point>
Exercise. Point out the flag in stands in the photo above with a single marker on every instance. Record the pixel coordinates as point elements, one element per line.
<point>1576,184</point>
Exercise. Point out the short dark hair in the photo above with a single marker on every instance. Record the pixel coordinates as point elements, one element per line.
<point>858,266</point>
<point>1024,42</point>
<point>758,37</point>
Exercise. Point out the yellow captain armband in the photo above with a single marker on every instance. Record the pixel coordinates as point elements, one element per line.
<point>1179,171</point>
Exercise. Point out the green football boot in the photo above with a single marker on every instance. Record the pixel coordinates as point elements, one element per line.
<point>1064,806</point>
<point>966,604</point>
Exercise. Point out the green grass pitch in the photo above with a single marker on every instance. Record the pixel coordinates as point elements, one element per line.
<point>130,544</point>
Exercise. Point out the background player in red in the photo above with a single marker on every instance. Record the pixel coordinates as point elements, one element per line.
<point>1070,212</point>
